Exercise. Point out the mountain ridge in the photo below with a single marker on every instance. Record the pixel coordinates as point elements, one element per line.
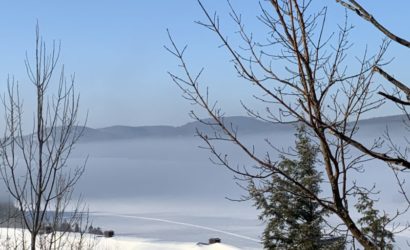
<point>243,124</point>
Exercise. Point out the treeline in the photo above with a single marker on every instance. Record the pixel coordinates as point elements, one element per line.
<point>10,215</point>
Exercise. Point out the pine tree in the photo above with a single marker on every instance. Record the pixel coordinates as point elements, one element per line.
<point>373,224</point>
<point>293,220</point>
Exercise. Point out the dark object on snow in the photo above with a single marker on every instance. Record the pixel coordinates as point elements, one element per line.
<point>214,240</point>
<point>210,241</point>
<point>45,230</point>
<point>109,233</point>
<point>48,230</point>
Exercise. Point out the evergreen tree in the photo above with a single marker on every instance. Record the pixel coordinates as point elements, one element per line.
<point>373,224</point>
<point>293,220</point>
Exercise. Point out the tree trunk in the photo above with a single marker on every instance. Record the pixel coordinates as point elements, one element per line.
<point>33,241</point>
<point>357,234</point>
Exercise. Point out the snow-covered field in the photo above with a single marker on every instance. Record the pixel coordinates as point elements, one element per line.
<point>242,233</point>
<point>11,239</point>
<point>138,244</point>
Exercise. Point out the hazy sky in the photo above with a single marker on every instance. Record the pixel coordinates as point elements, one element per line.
<point>115,48</point>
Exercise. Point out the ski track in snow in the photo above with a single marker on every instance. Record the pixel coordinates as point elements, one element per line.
<point>177,223</point>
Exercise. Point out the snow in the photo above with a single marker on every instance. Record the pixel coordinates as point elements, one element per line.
<point>12,239</point>
<point>140,244</point>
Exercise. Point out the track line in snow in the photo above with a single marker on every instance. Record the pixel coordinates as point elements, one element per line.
<point>177,223</point>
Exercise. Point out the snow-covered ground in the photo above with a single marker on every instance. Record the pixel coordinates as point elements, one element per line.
<point>138,244</point>
<point>12,239</point>
<point>160,227</point>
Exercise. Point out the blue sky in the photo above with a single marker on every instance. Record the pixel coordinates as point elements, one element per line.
<point>115,48</point>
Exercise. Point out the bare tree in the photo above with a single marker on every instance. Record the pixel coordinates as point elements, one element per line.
<point>363,13</point>
<point>304,75</point>
<point>35,170</point>
<point>401,95</point>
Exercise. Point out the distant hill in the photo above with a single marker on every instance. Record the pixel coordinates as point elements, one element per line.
<point>244,126</point>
